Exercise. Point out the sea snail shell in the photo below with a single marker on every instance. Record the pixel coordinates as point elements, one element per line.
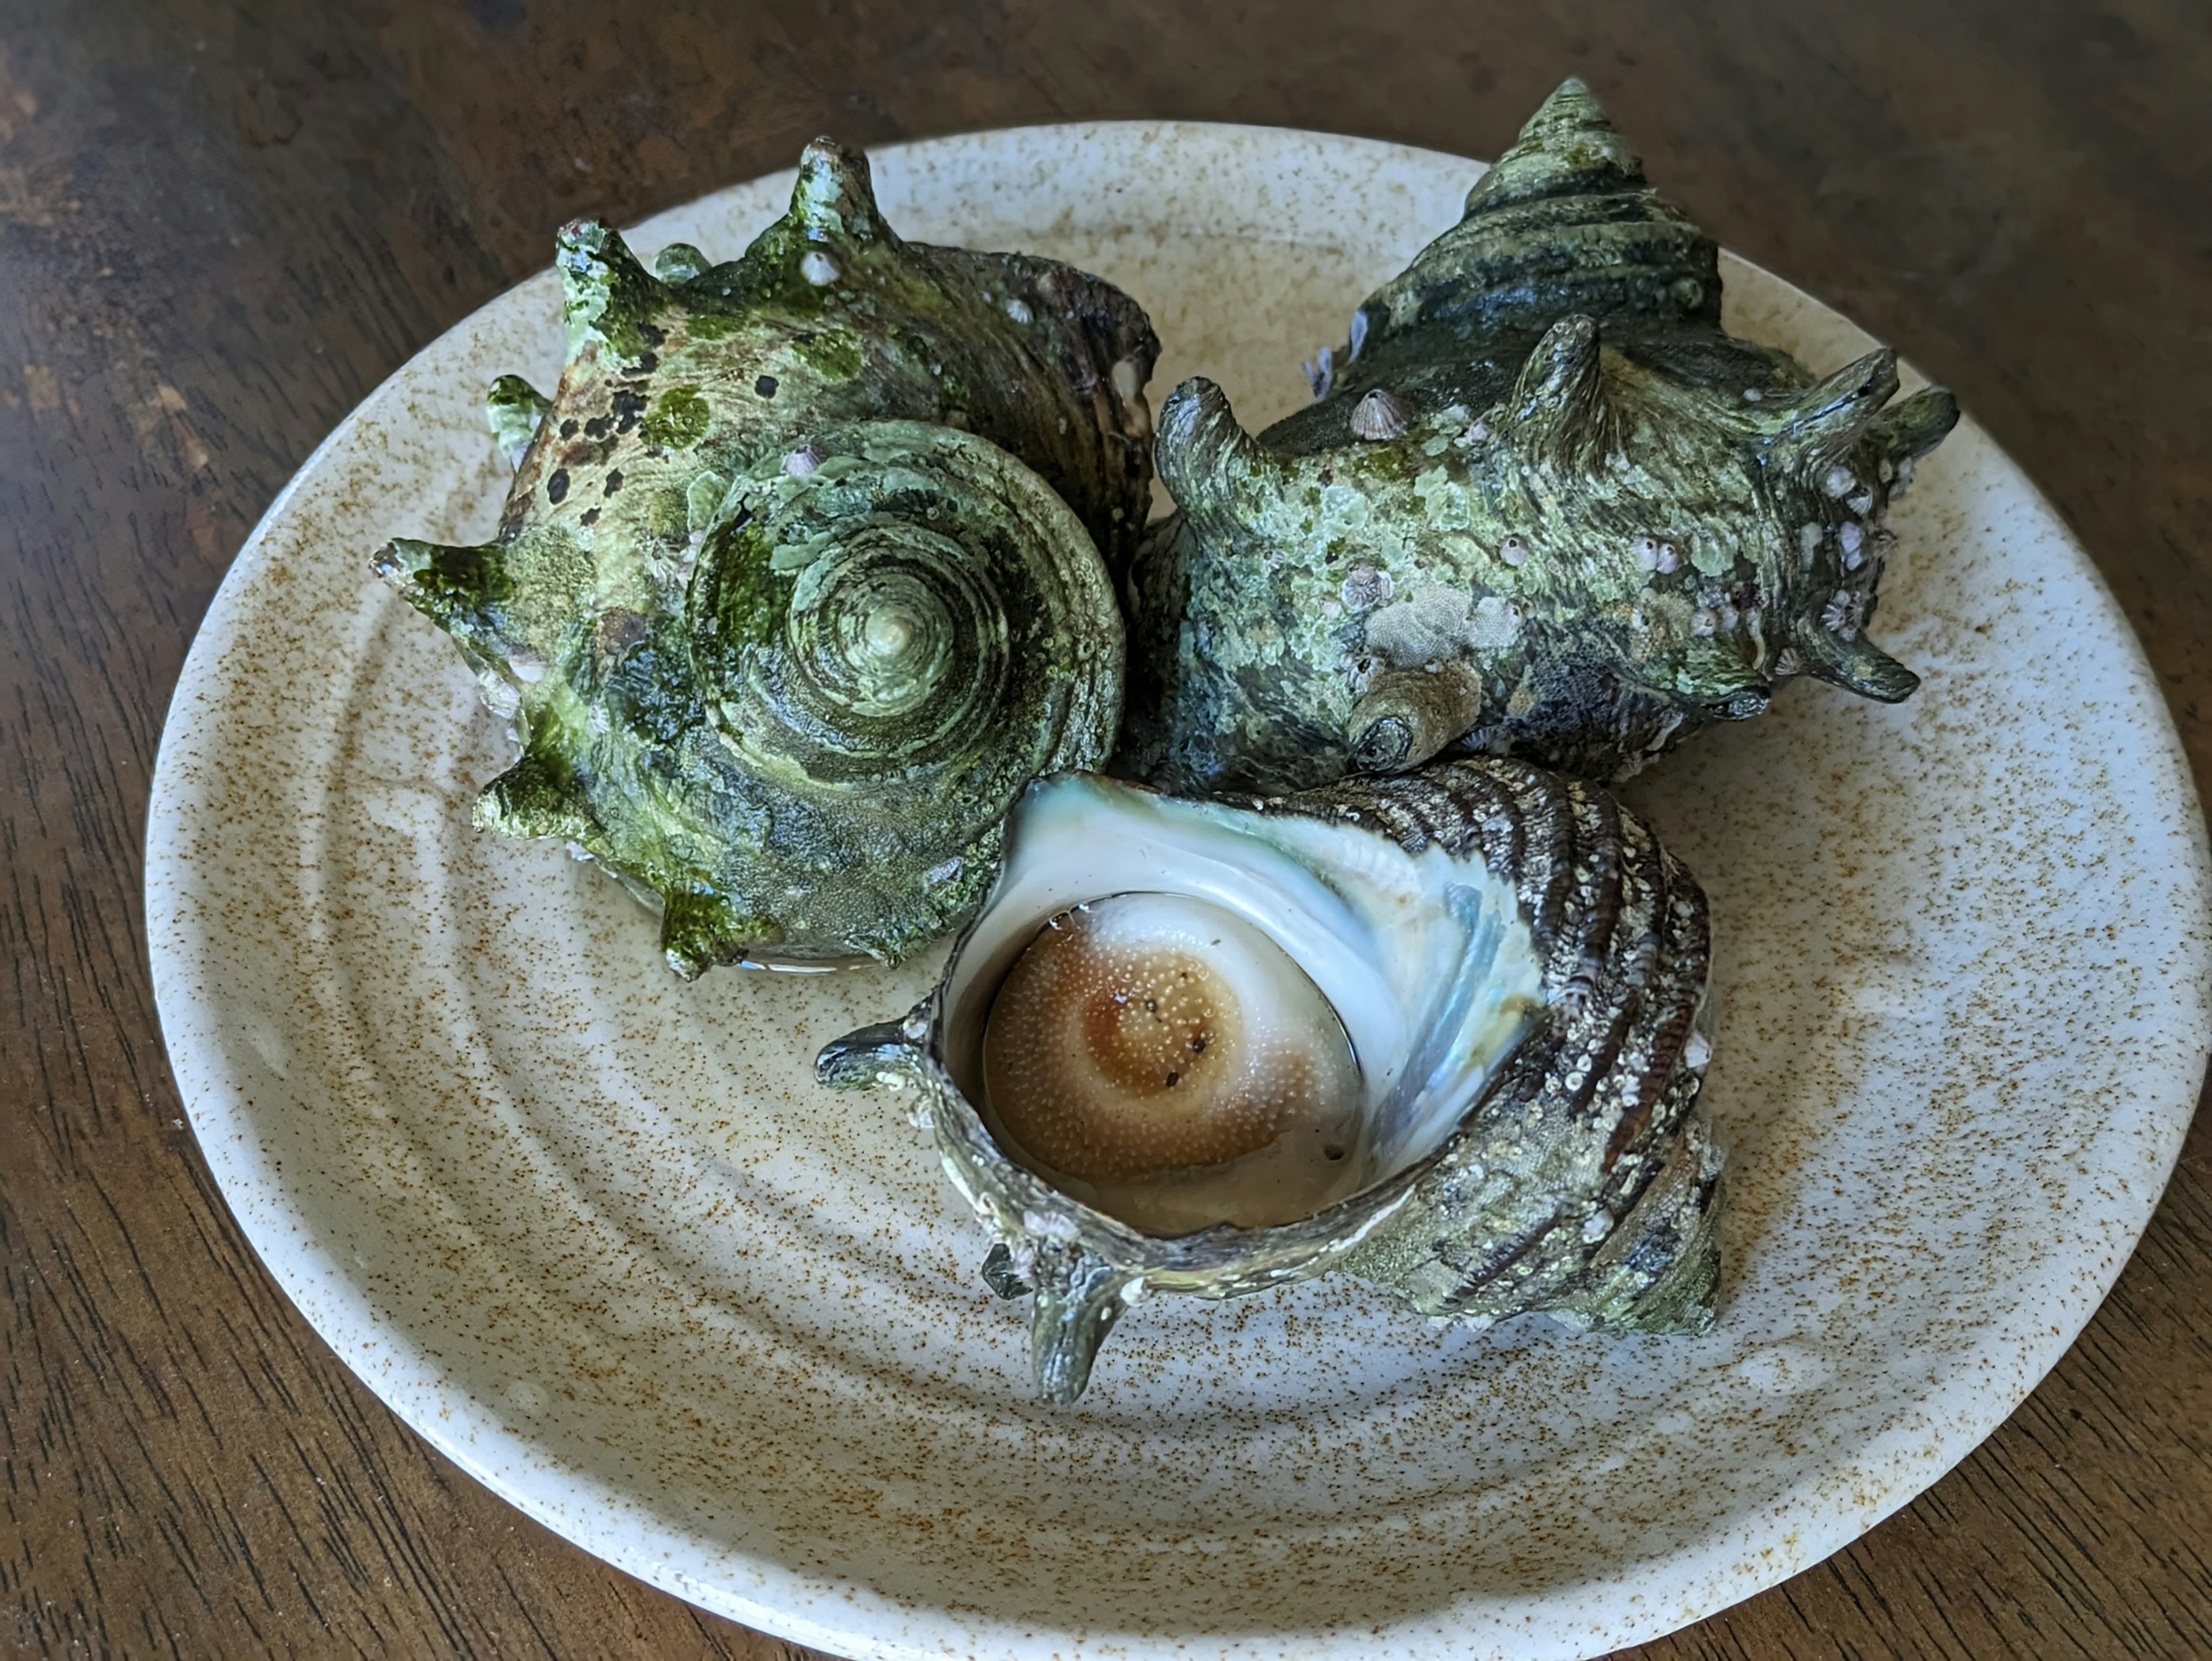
<point>1608,522</point>
<point>805,571</point>
<point>1521,969</point>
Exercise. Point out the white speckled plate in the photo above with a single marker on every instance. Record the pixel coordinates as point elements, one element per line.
<point>595,1234</point>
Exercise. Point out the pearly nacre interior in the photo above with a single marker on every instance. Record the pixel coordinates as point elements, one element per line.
<point>1421,962</point>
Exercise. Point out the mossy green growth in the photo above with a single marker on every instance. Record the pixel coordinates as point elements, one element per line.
<point>679,419</point>
<point>836,355</point>
<point>1542,505</point>
<point>805,571</point>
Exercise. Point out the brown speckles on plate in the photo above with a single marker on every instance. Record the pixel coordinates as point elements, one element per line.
<point>595,1233</point>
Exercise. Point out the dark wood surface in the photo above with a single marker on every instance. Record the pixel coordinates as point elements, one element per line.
<point>220,225</point>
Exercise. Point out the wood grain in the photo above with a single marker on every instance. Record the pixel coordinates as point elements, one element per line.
<point>220,225</point>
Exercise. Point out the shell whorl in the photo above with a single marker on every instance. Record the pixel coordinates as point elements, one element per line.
<point>916,608</point>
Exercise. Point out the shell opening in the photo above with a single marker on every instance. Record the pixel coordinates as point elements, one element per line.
<point>1168,1064</point>
<point>1363,998</point>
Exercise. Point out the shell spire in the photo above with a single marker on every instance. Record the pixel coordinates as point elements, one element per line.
<point>1564,223</point>
<point>1570,147</point>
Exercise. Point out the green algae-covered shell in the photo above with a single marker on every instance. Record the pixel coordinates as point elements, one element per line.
<point>806,570</point>
<point>1541,505</point>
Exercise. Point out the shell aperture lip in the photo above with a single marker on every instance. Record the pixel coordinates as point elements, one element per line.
<point>1164,1061</point>
<point>1423,960</point>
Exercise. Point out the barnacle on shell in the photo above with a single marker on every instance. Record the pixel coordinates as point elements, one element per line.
<point>1542,505</point>
<point>806,572</point>
<point>1441,1030</point>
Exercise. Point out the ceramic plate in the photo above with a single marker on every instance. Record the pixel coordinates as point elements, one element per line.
<point>596,1235</point>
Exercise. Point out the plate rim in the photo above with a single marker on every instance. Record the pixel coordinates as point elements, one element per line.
<point>786,1597</point>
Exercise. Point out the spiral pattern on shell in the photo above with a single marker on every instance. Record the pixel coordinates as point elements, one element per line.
<point>917,610</point>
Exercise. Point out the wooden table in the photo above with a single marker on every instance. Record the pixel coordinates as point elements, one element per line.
<point>221,224</point>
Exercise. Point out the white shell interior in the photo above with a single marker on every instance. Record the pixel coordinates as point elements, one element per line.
<point>599,1237</point>
<point>1426,959</point>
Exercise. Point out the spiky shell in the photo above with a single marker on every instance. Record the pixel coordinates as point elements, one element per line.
<point>1542,505</point>
<point>1580,1178</point>
<point>799,580</point>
